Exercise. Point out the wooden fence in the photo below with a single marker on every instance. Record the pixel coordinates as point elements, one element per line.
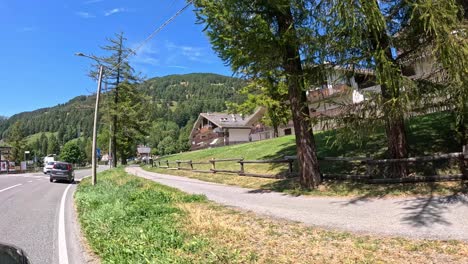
<point>372,173</point>
<point>177,165</point>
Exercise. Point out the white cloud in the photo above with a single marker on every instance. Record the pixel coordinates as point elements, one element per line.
<point>178,67</point>
<point>26,29</point>
<point>92,1</point>
<point>85,14</point>
<point>146,55</point>
<point>197,54</point>
<point>115,11</point>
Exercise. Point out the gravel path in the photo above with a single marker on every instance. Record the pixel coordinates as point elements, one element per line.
<point>421,217</point>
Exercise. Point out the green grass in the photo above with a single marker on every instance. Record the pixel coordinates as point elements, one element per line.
<point>30,139</point>
<point>127,219</point>
<point>426,135</point>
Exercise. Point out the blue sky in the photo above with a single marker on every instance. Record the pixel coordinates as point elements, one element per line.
<point>39,38</point>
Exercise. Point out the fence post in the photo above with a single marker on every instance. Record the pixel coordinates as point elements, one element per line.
<point>290,166</point>
<point>167,164</point>
<point>159,163</point>
<point>191,165</point>
<point>178,164</point>
<point>213,165</point>
<point>241,162</point>
<point>463,160</point>
<point>368,167</point>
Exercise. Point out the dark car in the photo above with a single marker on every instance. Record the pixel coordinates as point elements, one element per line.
<point>62,171</point>
<point>12,255</point>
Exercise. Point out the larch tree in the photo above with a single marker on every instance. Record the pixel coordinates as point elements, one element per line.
<point>255,37</point>
<point>117,71</point>
<point>388,36</point>
<point>268,92</point>
<point>17,141</point>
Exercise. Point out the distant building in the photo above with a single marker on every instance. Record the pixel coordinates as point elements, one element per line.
<point>342,87</point>
<point>143,152</point>
<point>220,129</point>
<point>4,152</point>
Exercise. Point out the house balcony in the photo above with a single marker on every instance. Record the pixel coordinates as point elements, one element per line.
<point>327,93</point>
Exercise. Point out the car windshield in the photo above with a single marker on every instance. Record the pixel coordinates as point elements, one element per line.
<point>61,166</point>
<point>51,163</point>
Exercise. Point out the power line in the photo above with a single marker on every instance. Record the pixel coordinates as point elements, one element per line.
<point>156,31</point>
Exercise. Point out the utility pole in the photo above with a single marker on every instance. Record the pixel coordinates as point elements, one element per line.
<point>94,161</point>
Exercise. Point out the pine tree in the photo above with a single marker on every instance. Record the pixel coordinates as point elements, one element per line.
<point>133,122</point>
<point>44,144</point>
<point>255,37</point>
<point>117,71</point>
<point>53,145</point>
<point>16,139</point>
<point>390,36</point>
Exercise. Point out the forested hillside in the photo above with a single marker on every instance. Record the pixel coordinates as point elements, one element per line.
<point>70,119</point>
<point>188,95</point>
<point>178,99</point>
<point>174,103</point>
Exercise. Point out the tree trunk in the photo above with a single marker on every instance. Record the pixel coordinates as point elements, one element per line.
<point>123,159</point>
<point>309,172</point>
<point>116,101</point>
<point>397,145</point>
<point>275,131</point>
<point>394,117</point>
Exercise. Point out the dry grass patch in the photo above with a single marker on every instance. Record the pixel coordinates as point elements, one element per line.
<point>265,240</point>
<point>328,188</point>
<point>229,179</point>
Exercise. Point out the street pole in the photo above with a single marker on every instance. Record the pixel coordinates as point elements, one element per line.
<point>109,154</point>
<point>98,92</point>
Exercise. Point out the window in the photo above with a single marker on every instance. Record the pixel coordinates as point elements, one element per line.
<point>287,131</point>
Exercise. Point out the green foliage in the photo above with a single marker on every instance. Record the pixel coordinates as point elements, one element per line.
<point>66,118</point>
<point>417,30</point>
<point>52,145</point>
<point>44,142</point>
<point>269,93</point>
<point>16,140</point>
<point>132,120</point>
<point>72,153</point>
<point>190,94</point>
<point>256,38</point>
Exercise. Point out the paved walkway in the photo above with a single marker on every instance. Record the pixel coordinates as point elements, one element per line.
<point>423,217</point>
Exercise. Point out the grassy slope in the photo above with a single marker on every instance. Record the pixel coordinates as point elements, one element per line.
<point>426,134</point>
<point>30,139</point>
<point>127,219</point>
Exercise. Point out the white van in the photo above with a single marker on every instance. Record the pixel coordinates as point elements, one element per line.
<point>49,162</point>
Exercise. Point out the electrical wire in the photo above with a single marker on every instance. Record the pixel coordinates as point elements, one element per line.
<point>156,31</point>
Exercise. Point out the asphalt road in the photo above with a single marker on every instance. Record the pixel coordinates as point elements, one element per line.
<point>30,213</point>
<point>431,217</point>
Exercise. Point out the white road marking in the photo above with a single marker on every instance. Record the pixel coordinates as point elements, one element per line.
<point>30,181</point>
<point>11,187</point>
<point>62,241</point>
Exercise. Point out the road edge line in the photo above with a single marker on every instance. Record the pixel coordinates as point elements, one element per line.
<point>11,187</point>
<point>62,241</point>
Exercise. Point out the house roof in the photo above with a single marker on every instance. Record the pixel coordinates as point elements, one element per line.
<point>144,150</point>
<point>224,120</point>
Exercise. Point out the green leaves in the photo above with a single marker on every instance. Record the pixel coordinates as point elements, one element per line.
<point>72,153</point>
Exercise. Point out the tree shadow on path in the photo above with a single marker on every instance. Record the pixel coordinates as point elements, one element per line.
<point>423,211</point>
<point>427,211</point>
